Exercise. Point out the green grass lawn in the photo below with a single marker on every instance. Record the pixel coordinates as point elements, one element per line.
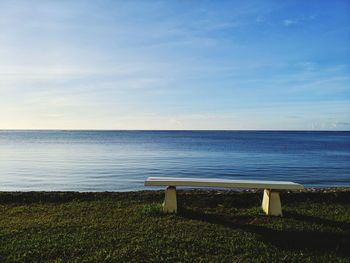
<point>211,226</point>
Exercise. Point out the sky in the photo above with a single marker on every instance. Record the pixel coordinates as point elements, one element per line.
<point>212,65</point>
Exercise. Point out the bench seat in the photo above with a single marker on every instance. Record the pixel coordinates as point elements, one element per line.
<point>271,203</point>
<point>221,183</point>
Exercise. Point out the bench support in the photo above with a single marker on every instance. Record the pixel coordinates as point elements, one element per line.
<point>170,203</point>
<point>271,203</point>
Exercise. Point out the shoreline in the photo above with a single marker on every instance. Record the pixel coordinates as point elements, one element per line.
<point>200,189</point>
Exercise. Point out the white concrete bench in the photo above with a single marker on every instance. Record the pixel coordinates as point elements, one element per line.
<point>271,203</point>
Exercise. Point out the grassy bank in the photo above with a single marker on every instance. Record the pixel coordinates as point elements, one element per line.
<point>212,226</point>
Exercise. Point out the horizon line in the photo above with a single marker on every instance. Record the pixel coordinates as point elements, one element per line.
<point>178,130</point>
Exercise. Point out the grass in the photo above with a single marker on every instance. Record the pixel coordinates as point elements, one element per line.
<point>211,226</point>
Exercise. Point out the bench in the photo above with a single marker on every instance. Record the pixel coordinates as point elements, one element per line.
<point>271,203</point>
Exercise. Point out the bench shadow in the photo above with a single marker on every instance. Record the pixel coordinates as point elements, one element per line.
<point>345,226</point>
<point>341,197</point>
<point>321,242</point>
<point>210,199</point>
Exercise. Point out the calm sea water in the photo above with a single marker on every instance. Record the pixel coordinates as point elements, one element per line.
<point>122,160</point>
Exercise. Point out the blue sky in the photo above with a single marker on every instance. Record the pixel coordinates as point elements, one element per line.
<point>175,65</point>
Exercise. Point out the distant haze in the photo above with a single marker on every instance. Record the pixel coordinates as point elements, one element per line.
<point>175,65</point>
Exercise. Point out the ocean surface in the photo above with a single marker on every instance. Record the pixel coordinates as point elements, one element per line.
<point>122,160</point>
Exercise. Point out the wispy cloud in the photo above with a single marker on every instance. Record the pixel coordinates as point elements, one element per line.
<point>289,22</point>
<point>299,20</point>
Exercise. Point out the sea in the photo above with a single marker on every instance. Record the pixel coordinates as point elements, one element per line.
<point>52,160</point>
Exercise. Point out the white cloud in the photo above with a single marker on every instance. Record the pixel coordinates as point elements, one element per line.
<point>289,22</point>
<point>299,20</point>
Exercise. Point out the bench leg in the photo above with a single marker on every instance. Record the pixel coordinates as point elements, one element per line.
<point>271,203</point>
<point>170,203</point>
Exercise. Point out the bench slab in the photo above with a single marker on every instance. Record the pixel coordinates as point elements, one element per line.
<point>221,183</point>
